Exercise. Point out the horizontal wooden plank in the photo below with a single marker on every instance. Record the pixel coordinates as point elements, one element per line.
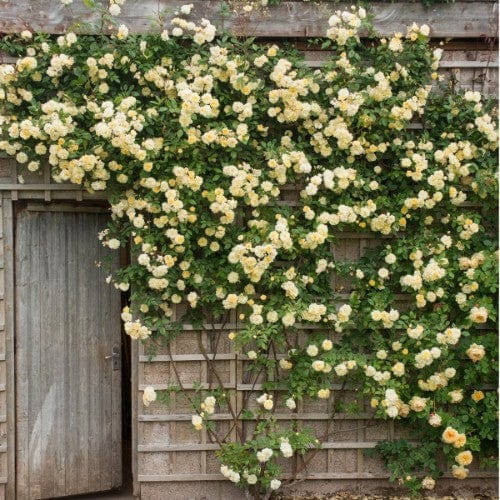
<point>188,357</point>
<point>43,187</point>
<point>164,387</point>
<point>150,478</point>
<point>318,63</point>
<point>288,19</point>
<point>468,64</point>
<point>226,385</point>
<point>66,208</point>
<point>52,195</point>
<point>258,387</point>
<point>277,416</point>
<point>233,326</point>
<point>180,418</point>
<point>160,447</point>
<point>165,358</point>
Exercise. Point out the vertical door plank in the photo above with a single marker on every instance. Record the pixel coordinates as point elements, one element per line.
<point>72,471</point>
<point>114,303</point>
<point>59,355</point>
<point>103,379</point>
<point>34,349</point>
<point>45,412</point>
<point>91,372</point>
<point>22,385</point>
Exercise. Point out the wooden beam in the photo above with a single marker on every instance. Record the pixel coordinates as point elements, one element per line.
<point>323,58</point>
<point>41,187</point>
<point>278,416</point>
<point>161,447</point>
<point>288,19</point>
<point>149,478</point>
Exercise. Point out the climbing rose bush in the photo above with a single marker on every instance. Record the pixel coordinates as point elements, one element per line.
<point>234,172</point>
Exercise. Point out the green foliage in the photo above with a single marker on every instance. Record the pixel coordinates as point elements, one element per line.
<point>408,462</point>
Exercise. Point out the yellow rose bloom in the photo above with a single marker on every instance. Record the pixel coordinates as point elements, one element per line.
<point>477,396</point>
<point>464,458</point>
<point>460,441</point>
<point>450,435</point>
<point>460,472</point>
<point>324,393</point>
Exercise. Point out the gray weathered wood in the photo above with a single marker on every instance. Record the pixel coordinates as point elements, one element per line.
<point>289,19</point>
<point>355,476</point>
<point>9,417</point>
<point>134,353</point>
<point>277,416</point>
<point>68,395</point>
<point>159,447</point>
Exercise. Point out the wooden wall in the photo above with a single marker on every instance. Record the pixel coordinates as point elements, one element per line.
<point>463,19</point>
<point>170,459</point>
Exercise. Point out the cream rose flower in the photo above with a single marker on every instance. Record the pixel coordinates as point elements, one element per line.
<point>464,458</point>
<point>428,483</point>
<point>475,352</point>
<point>449,435</point>
<point>459,472</point>
<point>478,314</point>
<point>149,395</point>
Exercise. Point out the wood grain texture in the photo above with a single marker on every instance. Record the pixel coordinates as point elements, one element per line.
<point>7,277</point>
<point>68,395</point>
<point>134,353</point>
<point>310,476</point>
<point>289,19</point>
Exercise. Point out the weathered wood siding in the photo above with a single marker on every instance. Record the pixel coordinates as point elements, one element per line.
<point>464,19</point>
<point>469,65</point>
<point>68,395</point>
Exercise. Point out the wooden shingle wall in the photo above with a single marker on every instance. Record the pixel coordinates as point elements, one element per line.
<point>170,459</point>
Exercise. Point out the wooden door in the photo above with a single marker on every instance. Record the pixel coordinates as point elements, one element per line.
<point>68,389</point>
